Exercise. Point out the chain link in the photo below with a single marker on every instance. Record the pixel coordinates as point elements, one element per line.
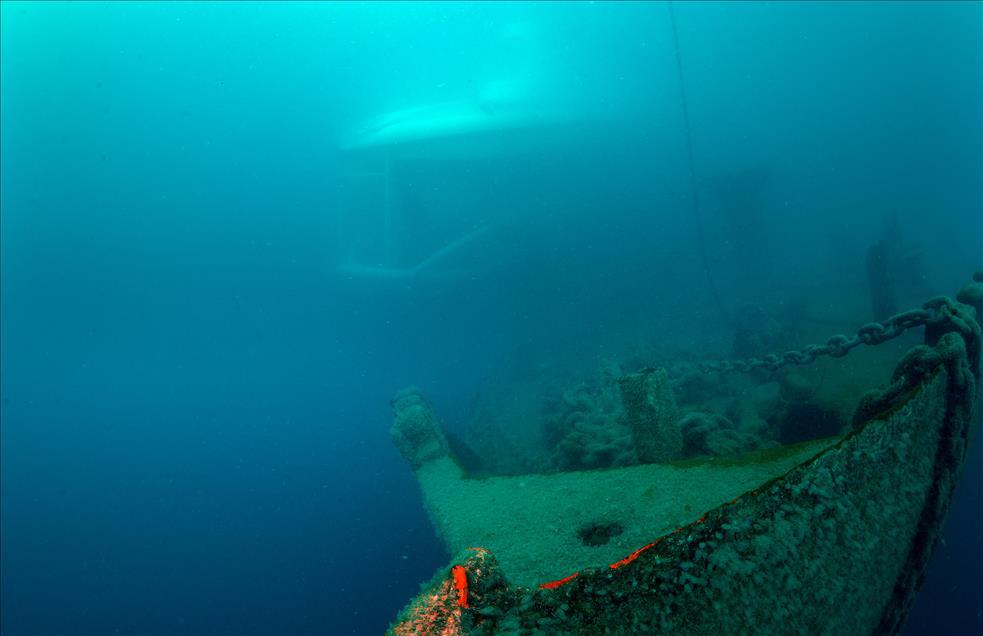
<point>934,311</point>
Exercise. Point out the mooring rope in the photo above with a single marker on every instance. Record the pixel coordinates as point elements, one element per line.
<point>694,190</point>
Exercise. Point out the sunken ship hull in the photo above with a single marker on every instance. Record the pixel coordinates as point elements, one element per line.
<point>835,541</point>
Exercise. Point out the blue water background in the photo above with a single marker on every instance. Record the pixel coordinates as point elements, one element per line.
<point>195,404</point>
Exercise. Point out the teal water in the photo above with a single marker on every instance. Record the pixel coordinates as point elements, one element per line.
<point>203,321</point>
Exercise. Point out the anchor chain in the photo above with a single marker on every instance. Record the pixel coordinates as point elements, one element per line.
<point>934,311</point>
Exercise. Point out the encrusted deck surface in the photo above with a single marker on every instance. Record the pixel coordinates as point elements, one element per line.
<point>531,522</point>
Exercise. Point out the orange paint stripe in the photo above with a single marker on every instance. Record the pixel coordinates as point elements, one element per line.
<point>552,585</point>
<point>634,555</point>
<point>461,583</point>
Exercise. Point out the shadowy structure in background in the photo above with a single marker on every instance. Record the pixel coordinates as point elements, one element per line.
<point>895,270</point>
<point>739,198</point>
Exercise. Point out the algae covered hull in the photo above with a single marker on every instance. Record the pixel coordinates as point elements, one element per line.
<point>831,536</point>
